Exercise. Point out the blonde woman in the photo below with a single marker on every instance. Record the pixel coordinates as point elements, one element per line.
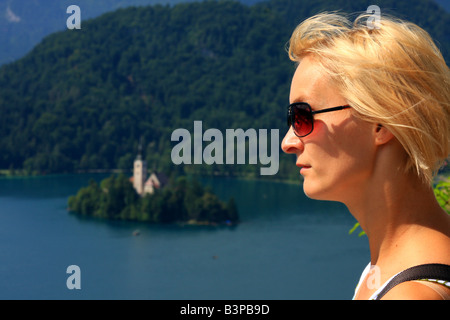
<point>369,124</point>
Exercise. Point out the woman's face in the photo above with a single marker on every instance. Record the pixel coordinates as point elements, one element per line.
<point>337,158</point>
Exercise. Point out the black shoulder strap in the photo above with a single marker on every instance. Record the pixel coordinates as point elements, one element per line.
<point>424,271</point>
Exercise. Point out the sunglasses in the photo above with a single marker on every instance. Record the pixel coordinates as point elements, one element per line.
<point>301,117</point>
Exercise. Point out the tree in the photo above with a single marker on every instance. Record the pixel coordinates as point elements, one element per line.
<point>184,200</point>
<point>442,193</point>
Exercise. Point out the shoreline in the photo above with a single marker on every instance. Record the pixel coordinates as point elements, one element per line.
<point>6,174</point>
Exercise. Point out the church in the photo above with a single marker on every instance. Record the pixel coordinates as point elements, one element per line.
<point>141,184</point>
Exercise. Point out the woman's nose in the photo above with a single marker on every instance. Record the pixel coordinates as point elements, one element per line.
<point>291,143</point>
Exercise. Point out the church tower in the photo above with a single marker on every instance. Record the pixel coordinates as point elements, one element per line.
<point>139,172</point>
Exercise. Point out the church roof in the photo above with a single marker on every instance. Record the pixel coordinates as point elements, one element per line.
<point>157,179</point>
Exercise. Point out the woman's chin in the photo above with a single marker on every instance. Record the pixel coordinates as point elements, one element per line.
<point>315,192</point>
<point>311,193</point>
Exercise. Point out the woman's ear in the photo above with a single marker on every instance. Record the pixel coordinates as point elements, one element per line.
<point>382,134</point>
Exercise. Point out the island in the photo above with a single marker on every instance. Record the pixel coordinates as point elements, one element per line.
<point>183,200</point>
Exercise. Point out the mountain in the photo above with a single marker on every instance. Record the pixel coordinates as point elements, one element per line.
<point>444,4</point>
<point>85,99</point>
<point>24,23</point>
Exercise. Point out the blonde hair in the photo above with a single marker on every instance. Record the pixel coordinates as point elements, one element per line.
<point>393,75</point>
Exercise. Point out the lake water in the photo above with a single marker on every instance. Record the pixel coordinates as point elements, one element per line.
<point>287,247</point>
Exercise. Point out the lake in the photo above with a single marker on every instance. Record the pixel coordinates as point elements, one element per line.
<point>286,247</point>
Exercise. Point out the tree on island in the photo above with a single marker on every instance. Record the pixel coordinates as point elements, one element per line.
<point>182,201</point>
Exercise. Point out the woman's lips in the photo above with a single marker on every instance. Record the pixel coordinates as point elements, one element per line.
<point>303,167</point>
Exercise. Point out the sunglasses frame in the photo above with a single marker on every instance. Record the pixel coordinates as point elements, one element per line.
<point>311,113</point>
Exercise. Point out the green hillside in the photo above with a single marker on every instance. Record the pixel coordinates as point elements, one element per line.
<point>23,23</point>
<point>83,99</point>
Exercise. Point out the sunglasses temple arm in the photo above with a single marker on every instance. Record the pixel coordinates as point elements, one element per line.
<point>330,109</point>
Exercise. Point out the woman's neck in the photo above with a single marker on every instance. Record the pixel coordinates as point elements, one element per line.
<point>398,213</point>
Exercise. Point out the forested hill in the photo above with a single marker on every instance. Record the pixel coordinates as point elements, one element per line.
<point>23,23</point>
<point>83,99</point>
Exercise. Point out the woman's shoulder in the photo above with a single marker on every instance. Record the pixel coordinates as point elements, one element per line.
<point>430,281</point>
<point>418,290</point>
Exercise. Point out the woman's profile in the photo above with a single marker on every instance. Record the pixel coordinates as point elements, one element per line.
<point>369,124</point>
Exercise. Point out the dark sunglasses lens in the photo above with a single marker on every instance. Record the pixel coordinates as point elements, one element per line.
<point>302,121</point>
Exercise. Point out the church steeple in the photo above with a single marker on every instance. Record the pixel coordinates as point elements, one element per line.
<point>139,171</point>
<point>139,155</point>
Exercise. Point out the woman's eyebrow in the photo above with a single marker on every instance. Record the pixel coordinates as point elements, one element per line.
<point>300,99</point>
